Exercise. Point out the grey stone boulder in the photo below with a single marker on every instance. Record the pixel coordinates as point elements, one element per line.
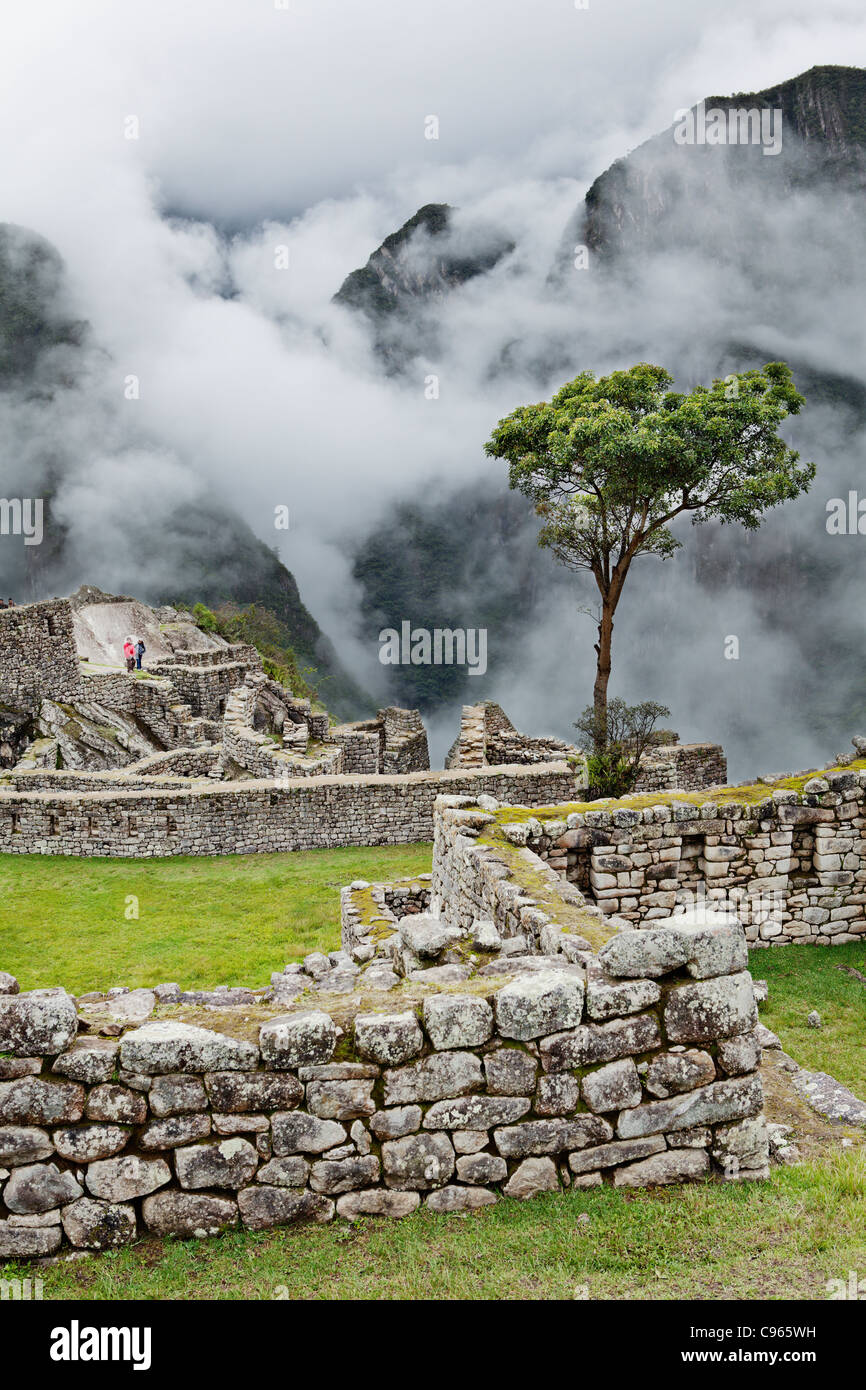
<point>88,1143</point>
<point>40,1023</point>
<point>510,1072</point>
<point>40,1187</point>
<point>296,1131</point>
<point>460,1199</point>
<point>552,1136</point>
<point>377,1202</point>
<point>23,1144</point>
<point>35,1101</point>
<point>291,1171</point>
<point>670,1073</point>
<point>227,1163</point>
<point>345,1175</point>
<point>90,1060</point>
<point>161,1047</point>
<point>615,1086</point>
<point>28,1243</point>
<point>649,953</point>
<point>340,1100</point>
<point>743,1144</point>
<point>176,1095</point>
<point>600,1042</point>
<point>535,1005</point>
<point>476,1112</point>
<point>740,1054</point>
<point>295,1040</point>
<point>424,935</point>
<point>116,1105</point>
<point>557,1094</point>
<point>173,1132</point>
<point>264,1207</point>
<point>711,1009</point>
<point>457,1020</point>
<point>830,1098</point>
<point>532,1177</point>
<point>122,1179</point>
<point>717,942</point>
<point>393,1124</point>
<point>609,1155</point>
<point>388,1039</point>
<point>233,1092</point>
<point>92,1225</point>
<point>188,1214</point>
<point>481,1168</point>
<point>418,1161</point>
<point>674,1165</point>
<point>607,998</point>
<point>485,936</point>
<point>735,1098</point>
<point>8,983</point>
<point>440,1076</point>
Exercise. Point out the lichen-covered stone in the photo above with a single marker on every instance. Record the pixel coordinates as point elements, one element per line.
<point>510,1072</point>
<point>481,1168</point>
<point>457,1020</point>
<point>377,1202</point>
<point>608,998</point>
<point>233,1092</point>
<point>40,1023</point>
<point>174,1131</point>
<point>557,1094</point>
<point>418,1161</point>
<point>23,1144</point>
<point>388,1038</point>
<point>444,1074</point>
<point>615,1086</point>
<point>609,1155</point>
<point>456,1198</point>
<point>745,1141</point>
<point>600,1042</point>
<point>28,1242</point>
<point>295,1131</point>
<point>295,1040</point>
<point>122,1179</point>
<point>740,1054</point>
<point>648,953</point>
<point>87,1143</point>
<point>476,1112</point>
<point>263,1207</point>
<point>162,1047</point>
<point>90,1060</point>
<point>40,1187</point>
<point>674,1165</point>
<point>92,1225</point>
<point>733,1099</point>
<point>670,1073</point>
<point>176,1095</point>
<point>33,1100</point>
<point>116,1105</point>
<point>291,1171</point>
<point>218,1163</point>
<point>536,1005</point>
<point>711,1009</point>
<point>552,1136</point>
<point>340,1100</point>
<point>344,1175</point>
<point>187,1214</point>
<point>393,1124</point>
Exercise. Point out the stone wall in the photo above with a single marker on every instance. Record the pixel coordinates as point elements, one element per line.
<point>791,866</point>
<point>631,1061</point>
<point>255,817</point>
<point>682,767</point>
<point>38,656</point>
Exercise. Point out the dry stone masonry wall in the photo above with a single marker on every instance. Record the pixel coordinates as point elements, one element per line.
<point>542,1062</point>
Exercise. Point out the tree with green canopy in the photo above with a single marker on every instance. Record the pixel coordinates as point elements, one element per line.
<point>610,463</point>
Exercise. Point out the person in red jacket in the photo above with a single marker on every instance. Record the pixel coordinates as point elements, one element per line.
<point>129,654</point>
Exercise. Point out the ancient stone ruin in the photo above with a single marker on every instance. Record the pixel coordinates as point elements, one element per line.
<point>499,1036</point>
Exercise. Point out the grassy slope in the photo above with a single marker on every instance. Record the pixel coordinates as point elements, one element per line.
<point>202,922</point>
<point>803,978</point>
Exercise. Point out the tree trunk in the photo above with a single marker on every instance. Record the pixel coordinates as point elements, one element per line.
<point>602,672</point>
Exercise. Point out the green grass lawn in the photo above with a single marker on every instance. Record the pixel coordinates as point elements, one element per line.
<point>782,1239</point>
<point>802,978</point>
<point>202,922</point>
